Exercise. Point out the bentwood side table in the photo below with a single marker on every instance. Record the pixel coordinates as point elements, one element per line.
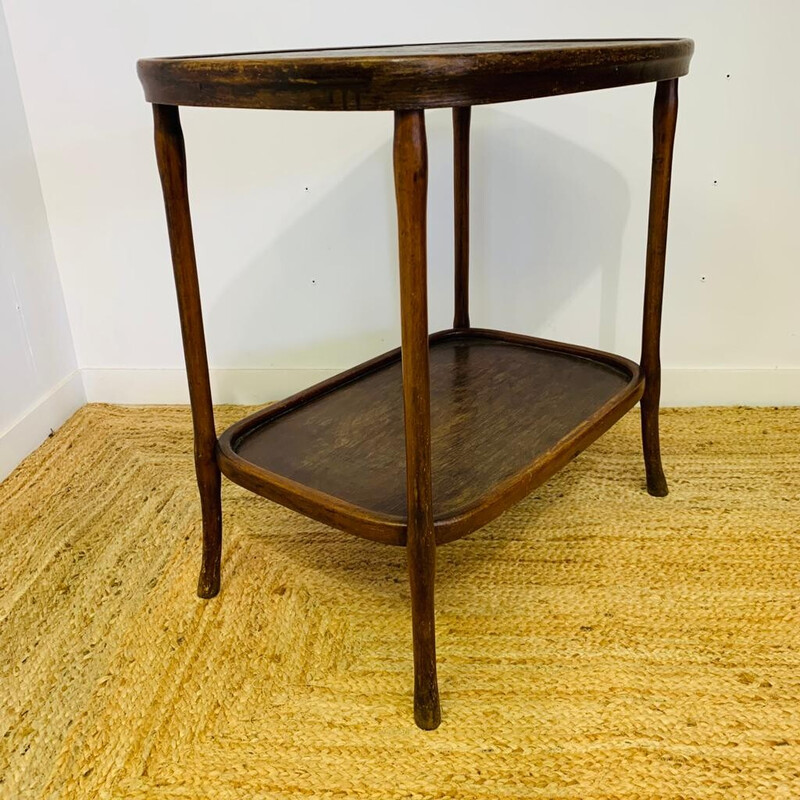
<point>426,443</point>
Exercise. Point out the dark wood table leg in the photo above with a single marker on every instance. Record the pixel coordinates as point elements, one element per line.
<point>665,113</point>
<point>171,156</point>
<point>411,187</point>
<point>461,120</point>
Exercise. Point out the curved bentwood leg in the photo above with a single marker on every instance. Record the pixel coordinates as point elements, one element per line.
<point>171,157</point>
<point>665,113</point>
<point>411,188</point>
<point>461,120</point>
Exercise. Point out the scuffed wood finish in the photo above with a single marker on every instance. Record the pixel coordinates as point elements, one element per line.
<point>461,124</point>
<point>424,444</point>
<point>411,190</point>
<point>171,157</point>
<point>504,409</point>
<point>665,115</point>
<point>411,76</point>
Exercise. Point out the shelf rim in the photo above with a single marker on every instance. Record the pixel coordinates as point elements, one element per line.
<point>391,529</point>
<point>410,76</point>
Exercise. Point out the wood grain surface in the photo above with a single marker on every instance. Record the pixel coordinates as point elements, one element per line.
<point>410,76</point>
<point>171,157</point>
<point>461,126</point>
<point>502,407</point>
<point>665,117</point>
<point>429,442</point>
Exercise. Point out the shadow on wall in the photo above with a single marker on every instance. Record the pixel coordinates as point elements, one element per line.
<point>547,222</point>
<point>323,293</point>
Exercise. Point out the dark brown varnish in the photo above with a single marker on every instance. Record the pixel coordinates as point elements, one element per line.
<point>171,157</point>
<point>410,76</point>
<point>411,190</point>
<point>665,117</point>
<point>500,404</point>
<point>461,124</point>
<point>426,443</point>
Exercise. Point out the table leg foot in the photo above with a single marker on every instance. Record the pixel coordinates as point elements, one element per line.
<point>427,710</point>
<point>656,482</point>
<point>209,482</point>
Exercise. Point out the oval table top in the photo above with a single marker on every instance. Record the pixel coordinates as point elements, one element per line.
<point>410,76</point>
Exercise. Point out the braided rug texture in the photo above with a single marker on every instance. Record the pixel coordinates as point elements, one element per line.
<point>594,642</point>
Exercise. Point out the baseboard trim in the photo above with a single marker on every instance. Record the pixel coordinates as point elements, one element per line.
<point>51,411</point>
<point>730,387</point>
<point>169,386</point>
<point>680,387</point>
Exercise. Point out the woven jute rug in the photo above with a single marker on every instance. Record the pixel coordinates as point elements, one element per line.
<point>594,642</point>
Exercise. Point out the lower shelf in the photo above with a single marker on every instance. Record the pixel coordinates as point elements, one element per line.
<point>507,411</point>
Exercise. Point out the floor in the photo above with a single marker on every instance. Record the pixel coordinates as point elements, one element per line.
<point>594,642</point>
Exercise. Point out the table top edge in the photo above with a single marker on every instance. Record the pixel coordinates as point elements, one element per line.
<point>394,77</point>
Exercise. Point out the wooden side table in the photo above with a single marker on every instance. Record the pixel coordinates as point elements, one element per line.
<point>478,417</point>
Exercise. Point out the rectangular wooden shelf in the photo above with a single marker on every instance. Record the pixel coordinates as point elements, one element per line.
<point>507,411</point>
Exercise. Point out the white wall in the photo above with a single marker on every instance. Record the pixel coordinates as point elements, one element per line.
<point>39,383</point>
<point>294,213</point>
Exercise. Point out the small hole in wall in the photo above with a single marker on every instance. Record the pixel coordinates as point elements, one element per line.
<point>715,183</point>
<point>728,75</point>
<point>703,278</point>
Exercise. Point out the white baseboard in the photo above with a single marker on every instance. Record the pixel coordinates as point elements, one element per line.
<point>169,386</point>
<point>50,412</point>
<point>730,387</point>
<point>680,387</point>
